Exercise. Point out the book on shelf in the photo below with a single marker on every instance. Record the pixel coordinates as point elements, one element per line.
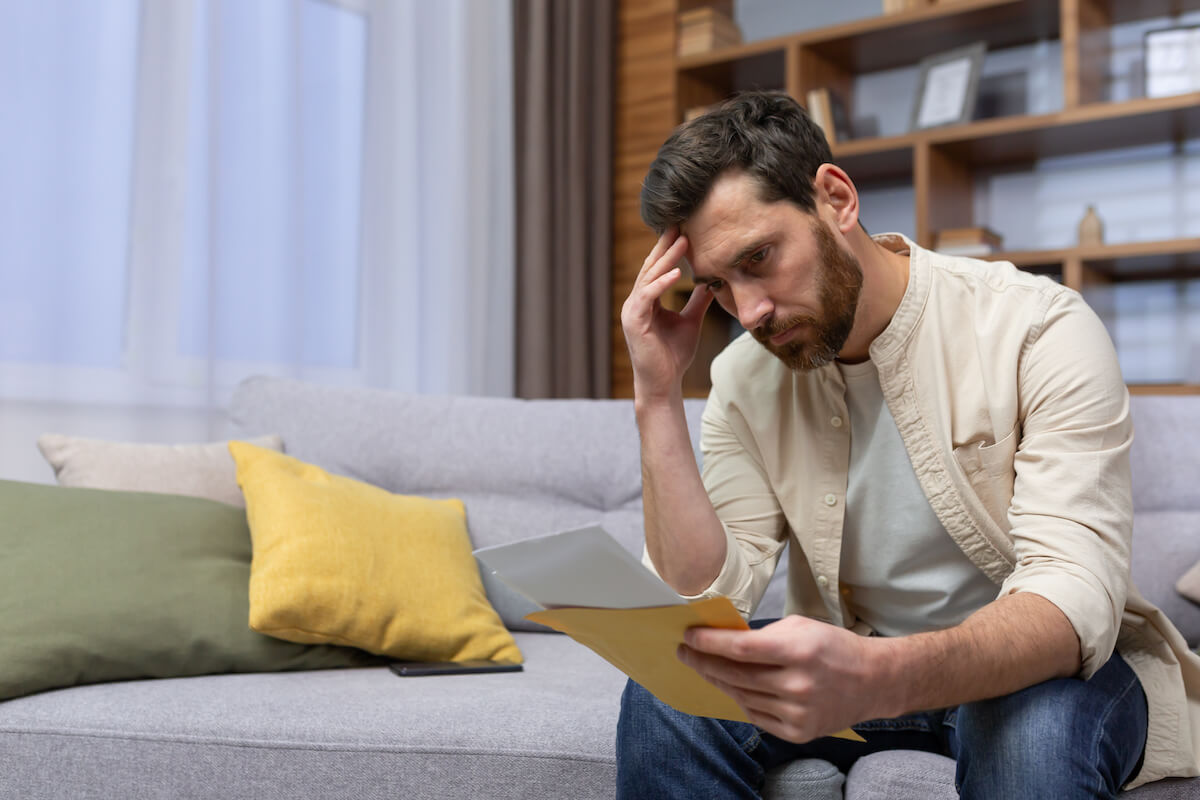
<point>705,29</point>
<point>829,113</point>
<point>594,590</point>
<point>973,241</point>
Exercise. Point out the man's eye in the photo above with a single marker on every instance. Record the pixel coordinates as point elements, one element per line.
<point>716,286</point>
<point>759,256</point>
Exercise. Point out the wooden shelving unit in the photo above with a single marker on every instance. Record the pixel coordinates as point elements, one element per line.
<point>941,163</point>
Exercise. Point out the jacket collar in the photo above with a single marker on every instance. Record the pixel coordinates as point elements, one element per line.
<point>887,345</point>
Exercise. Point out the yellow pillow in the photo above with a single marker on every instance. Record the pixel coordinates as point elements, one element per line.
<point>339,561</point>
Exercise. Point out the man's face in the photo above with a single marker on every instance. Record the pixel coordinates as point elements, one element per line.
<point>778,270</point>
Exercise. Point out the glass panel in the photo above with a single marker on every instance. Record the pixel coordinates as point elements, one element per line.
<point>67,91</point>
<point>275,158</point>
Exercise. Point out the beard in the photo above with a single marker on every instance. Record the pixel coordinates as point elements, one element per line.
<point>822,337</point>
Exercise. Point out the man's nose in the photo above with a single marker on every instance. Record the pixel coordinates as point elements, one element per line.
<point>752,305</point>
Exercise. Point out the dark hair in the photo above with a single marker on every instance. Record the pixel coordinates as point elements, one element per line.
<point>767,134</point>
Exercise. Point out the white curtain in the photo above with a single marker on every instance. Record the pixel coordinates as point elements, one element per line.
<point>193,191</point>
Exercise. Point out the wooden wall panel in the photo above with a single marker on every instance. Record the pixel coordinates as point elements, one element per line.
<point>645,116</point>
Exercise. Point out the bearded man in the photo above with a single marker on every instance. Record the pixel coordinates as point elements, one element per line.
<point>944,444</point>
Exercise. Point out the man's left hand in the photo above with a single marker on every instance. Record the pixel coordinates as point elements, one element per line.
<point>796,678</point>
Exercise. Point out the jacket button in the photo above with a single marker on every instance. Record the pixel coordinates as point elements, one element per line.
<point>822,581</point>
<point>831,499</point>
<point>836,422</point>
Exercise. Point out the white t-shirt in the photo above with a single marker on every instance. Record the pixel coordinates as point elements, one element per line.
<point>903,572</point>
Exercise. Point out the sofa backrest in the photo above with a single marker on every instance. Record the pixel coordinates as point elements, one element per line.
<point>529,467</point>
<point>1165,460</point>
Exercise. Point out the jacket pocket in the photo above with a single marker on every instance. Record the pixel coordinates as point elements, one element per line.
<point>989,470</point>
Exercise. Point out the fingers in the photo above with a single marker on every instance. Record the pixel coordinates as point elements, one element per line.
<point>748,697</point>
<point>755,647</point>
<point>756,689</point>
<point>726,672</point>
<point>667,238</point>
<point>655,278</point>
<point>753,687</point>
<point>658,287</point>
<point>698,303</point>
<point>662,260</point>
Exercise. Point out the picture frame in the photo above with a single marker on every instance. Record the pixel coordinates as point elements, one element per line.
<point>948,87</point>
<point>1172,60</point>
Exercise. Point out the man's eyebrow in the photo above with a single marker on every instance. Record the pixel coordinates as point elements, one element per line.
<point>741,256</point>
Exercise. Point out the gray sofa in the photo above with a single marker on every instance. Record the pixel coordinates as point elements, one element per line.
<point>523,468</point>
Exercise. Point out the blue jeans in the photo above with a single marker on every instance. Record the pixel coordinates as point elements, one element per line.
<point>1061,739</point>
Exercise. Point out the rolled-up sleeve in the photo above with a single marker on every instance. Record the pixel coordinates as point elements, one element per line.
<point>1072,508</point>
<point>745,503</point>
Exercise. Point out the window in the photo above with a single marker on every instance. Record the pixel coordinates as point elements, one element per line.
<point>183,190</point>
<point>67,90</point>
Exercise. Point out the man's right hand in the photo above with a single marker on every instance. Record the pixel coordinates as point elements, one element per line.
<point>662,343</point>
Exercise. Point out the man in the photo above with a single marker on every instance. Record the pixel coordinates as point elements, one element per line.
<point>944,443</point>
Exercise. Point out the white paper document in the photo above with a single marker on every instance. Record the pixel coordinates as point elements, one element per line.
<point>585,567</point>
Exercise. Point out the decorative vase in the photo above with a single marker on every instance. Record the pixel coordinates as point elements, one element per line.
<point>1091,228</point>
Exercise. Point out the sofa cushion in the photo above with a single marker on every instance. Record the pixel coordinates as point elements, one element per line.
<point>362,734</point>
<point>340,561</point>
<point>200,470</point>
<point>100,586</point>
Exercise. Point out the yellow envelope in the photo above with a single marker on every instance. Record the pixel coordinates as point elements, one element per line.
<point>641,642</point>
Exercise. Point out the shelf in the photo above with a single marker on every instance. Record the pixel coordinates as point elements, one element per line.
<point>903,39</point>
<point>1164,388</point>
<point>1090,128</point>
<point>1025,139</point>
<point>1132,261</point>
<point>1165,260</point>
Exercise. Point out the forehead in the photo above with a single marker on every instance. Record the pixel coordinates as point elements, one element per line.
<point>731,218</point>
<point>734,195</point>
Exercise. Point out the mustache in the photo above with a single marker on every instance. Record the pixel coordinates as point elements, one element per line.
<point>773,327</point>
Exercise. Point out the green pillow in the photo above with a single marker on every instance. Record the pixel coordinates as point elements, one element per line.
<point>101,585</point>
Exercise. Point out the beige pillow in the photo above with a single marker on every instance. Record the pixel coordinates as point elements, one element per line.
<point>1189,584</point>
<point>199,470</point>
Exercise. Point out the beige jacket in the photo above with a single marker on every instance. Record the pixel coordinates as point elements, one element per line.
<point>1006,390</point>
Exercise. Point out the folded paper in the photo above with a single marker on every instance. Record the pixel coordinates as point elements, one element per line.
<point>642,643</point>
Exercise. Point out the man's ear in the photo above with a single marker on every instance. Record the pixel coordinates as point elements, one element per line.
<point>836,196</point>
